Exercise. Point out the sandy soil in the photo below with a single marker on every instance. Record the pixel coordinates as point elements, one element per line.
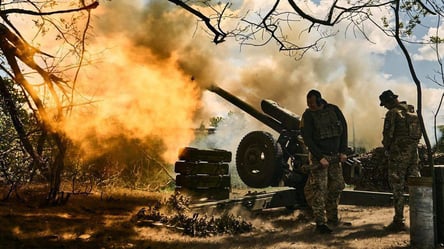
<point>94,222</point>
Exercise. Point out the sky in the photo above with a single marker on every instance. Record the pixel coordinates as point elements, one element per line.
<point>151,63</point>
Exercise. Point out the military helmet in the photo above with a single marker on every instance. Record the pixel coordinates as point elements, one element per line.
<point>387,97</point>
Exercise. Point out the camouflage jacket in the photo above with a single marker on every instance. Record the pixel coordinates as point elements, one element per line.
<point>396,129</point>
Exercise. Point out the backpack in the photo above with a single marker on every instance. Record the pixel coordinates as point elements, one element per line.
<point>413,125</point>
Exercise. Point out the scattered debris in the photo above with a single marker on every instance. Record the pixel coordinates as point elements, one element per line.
<point>178,202</point>
<point>195,224</point>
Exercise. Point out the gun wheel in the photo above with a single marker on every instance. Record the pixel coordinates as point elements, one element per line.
<point>258,160</point>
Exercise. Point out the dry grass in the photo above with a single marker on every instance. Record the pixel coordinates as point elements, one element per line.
<point>89,221</point>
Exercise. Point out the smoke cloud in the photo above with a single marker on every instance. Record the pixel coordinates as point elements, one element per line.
<point>139,87</point>
<point>156,62</point>
<point>347,72</point>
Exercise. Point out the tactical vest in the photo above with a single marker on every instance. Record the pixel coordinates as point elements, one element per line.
<point>327,123</point>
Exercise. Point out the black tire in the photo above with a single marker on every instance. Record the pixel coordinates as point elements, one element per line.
<point>259,160</point>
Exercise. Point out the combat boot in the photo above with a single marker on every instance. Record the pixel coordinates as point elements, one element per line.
<point>323,229</point>
<point>396,226</point>
<point>338,222</point>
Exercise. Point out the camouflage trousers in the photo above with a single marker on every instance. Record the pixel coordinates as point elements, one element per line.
<point>323,191</point>
<point>402,163</point>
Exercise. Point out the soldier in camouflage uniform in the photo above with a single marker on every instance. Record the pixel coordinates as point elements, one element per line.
<point>400,141</point>
<point>324,131</point>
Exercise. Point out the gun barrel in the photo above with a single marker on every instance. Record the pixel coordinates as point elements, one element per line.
<point>288,119</point>
<point>267,120</point>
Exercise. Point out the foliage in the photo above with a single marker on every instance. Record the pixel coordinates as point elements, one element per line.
<point>214,121</point>
<point>129,163</point>
<point>38,81</point>
<point>16,167</point>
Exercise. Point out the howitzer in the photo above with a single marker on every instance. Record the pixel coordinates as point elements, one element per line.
<point>263,161</point>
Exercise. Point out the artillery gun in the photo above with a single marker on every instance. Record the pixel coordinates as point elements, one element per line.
<point>263,161</point>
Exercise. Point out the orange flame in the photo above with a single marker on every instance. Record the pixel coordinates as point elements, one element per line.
<point>137,97</point>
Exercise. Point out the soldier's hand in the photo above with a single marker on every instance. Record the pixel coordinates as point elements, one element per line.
<point>342,157</point>
<point>324,162</point>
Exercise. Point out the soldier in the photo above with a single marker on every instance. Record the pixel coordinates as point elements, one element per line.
<point>324,131</point>
<point>401,136</point>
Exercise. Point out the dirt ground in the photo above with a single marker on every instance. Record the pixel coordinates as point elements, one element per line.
<point>88,221</point>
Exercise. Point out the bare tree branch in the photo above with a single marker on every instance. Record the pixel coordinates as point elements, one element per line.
<point>82,53</point>
<point>93,5</point>
<point>219,35</point>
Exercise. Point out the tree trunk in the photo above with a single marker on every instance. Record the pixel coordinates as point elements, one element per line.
<point>57,167</point>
